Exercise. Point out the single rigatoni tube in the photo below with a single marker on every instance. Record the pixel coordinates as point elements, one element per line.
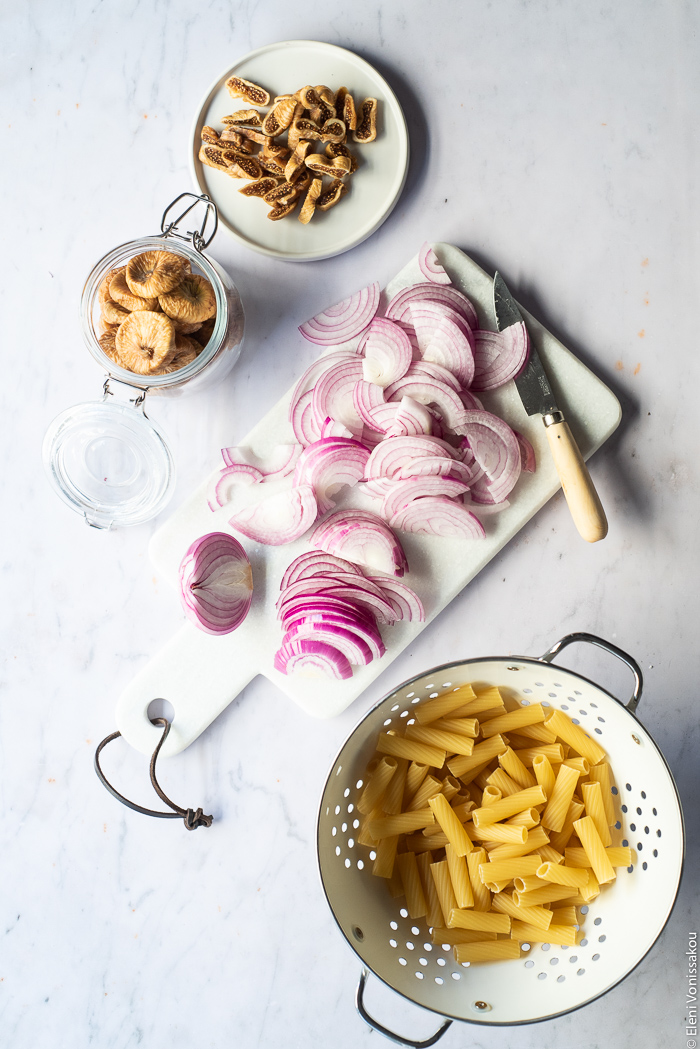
<point>364,837</point>
<point>441,706</point>
<point>419,843</point>
<point>416,903</point>
<point>490,795</point>
<point>468,777</point>
<point>506,870</point>
<point>394,883</point>
<point>536,840</point>
<point>574,735</point>
<point>529,882</point>
<point>557,935</point>
<point>591,889</point>
<point>450,788</point>
<point>475,707</point>
<point>401,823</point>
<point>561,840</point>
<point>511,722</point>
<point>489,951</point>
<point>399,747</point>
<point>451,937</point>
<point>443,887</point>
<point>427,790</point>
<point>482,896</point>
<point>464,726</point>
<point>505,833</point>
<point>454,830</point>
<point>538,916</point>
<point>513,766</point>
<point>482,754</point>
<point>544,773</point>
<point>392,802</point>
<point>554,815</point>
<point>463,810</point>
<point>450,742</point>
<point>489,921</point>
<point>434,915</point>
<point>459,876</point>
<point>499,778</point>
<point>561,875</point>
<point>417,771</point>
<point>549,854</point>
<point>595,850</point>
<point>538,732</point>
<point>553,751</point>
<point>582,765</point>
<point>619,856</point>
<point>510,806</point>
<point>602,774</point>
<point>593,801</point>
<point>377,784</point>
<point>528,818</point>
<point>386,854</point>
<point>564,915</point>
<point>548,894</point>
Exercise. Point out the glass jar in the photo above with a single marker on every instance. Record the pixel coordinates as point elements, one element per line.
<point>106,459</point>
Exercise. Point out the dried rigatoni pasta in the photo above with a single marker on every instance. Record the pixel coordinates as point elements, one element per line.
<point>443,887</point>
<point>423,862</point>
<point>553,751</point>
<point>411,749</point>
<point>514,720</point>
<point>463,726</point>
<point>505,833</point>
<point>536,841</point>
<point>619,856</point>
<point>544,773</point>
<point>489,921</point>
<point>416,903</point>
<point>401,823</point>
<point>555,872</point>
<point>560,840</point>
<point>510,806</point>
<point>392,802</point>
<point>602,774</point>
<point>451,826</point>
<point>417,771</point>
<point>386,854</point>
<point>554,815</point>
<point>513,766</point>
<point>582,765</point>
<point>427,790</point>
<point>451,742</point>
<point>506,870</point>
<point>537,897</point>
<point>451,937</point>
<point>482,895</point>
<point>459,876</point>
<point>481,754</point>
<point>490,795</point>
<point>574,735</point>
<point>539,916</point>
<point>558,935</point>
<point>500,779</point>
<point>594,849</point>
<point>441,706</point>
<point>593,802</point>
<point>377,784</point>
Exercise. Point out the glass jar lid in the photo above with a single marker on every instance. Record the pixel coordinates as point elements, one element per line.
<point>109,462</point>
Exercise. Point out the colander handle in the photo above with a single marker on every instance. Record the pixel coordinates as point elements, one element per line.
<point>599,642</point>
<point>376,1026</point>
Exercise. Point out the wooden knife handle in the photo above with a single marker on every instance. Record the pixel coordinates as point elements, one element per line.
<point>584,505</point>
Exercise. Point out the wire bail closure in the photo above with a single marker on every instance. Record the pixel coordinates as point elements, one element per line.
<point>192,818</point>
<point>196,237</point>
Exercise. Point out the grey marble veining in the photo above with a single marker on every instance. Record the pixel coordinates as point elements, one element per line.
<point>553,141</point>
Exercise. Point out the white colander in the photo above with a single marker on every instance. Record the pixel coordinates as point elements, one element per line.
<point>621,925</point>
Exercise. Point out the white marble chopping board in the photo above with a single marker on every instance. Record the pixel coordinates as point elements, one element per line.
<point>200,674</point>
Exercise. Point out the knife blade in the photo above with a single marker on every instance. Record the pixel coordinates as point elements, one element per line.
<point>538,398</point>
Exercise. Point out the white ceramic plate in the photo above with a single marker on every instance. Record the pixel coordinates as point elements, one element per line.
<point>374,188</point>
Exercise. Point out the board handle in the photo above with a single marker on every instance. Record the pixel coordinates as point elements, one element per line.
<point>187,673</point>
<point>584,503</point>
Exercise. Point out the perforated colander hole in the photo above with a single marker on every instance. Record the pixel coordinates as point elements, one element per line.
<point>339,770</point>
<point>564,706</point>
<point>456,976</point>
<point>595,957</point>
<point>396,707</point>
<point>584,909</point>
<point>598,731</point>
<point>584,713</point>
<point>576,721</point>
<point>602,939</point>
<point>625,843</point>
<point>416,700</point>
<point>337,810</point>
<point>546,703</point>
<point>360,783</point>
<point>529,964</point>
<point>403,912</point>
<point>356,824</point>
<point>360,865</point>
<point>409,945</point>
<point>658,834</point>
<point>526,947</point>
<point>408,696</point>
<point>447,684</point>
<point>613,790</point>
<point>525,703</point>
<point>576,693</point>
<point>393,943</point>
<point>560,979</point>
<point>639,848</point>
<point>617,825</point>
<point>337,850</point>
<point>372,855</point>
<point>554,961</point>
<point>334,831</point>
<point>646,830</point>
<point>423,961</point>
<point>427,947</point>
<point>584,942</point>
<point>415,930</point>
<point>404,713</point>
<point>542,976</point>
<point>348,863</point>
<point>580,972</point>
<point>598,921</point>
<point>388,721</point>
<point>539,684</point>
<point>351,843</point>
<point>343,827</point>
<point>630,869</point>
<point>439,980</point>
<point>633,826</point>
<point>346,792</point>
<point>434,695</point>
<point>546,947</point>
<point>552,695</point>
<point>655,812</point>
<point>624,808</point>
<point>393,925</point>
<point>573,958</point>
<point>656,853</point>
<point>528,691</point>
<point>628,786</point>
<point>402,961</point>
<point>351,808</point>
<point>441,961</point>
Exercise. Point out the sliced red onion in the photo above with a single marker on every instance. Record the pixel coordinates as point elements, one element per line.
<point>367,396</point>
<point>450,347</point>
<point>434,466</point>
<point>398,308</point>
<point>280,464</point>
<point>226,479</point>
<point>363,538</point>
<point>438,515</point>
<point>422,370</point>
<point>314,372</point>
<point>496,450</point>
<point>315,562</point>
<point>470,402</point>
<point>417,488</point>
<point>333,395</point>
<point>387,352</point>
<point>378,487</point>
<point>344,320</point>
<point>528,462</point>
<point>487,509</point>
<point>357,622</point>
<point>305,421</point>
<point>331,428</point>
<point>328,465</point>
<point>356,651</point>
<point>425,315</point>
<point>355,589</point>
<point>280,519</point>
<point>407,604</point>
<point>499,356</point>
<point>433,392</point>
<point>389,457</point>
<point>382,416</point>
<point>430,266</point>
<point>313,658</point>
<point>216,583</point>
<point>412,418</point>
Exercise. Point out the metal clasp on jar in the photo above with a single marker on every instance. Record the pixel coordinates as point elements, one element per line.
<point>194,237</point>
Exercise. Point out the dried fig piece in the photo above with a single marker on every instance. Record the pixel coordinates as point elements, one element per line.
<point>209,134</point>
<point>193,300</point>
<point>295,164</point>
<point>345,108</point>
<point>121,294</point>
<point>152,273</point>
<point>103,290</point>
<point>284,193</point>
<point>145,341</point>
<point>204,334</point>
<point>106,339</point>
<point>337,149</point>
<point>309,205</point>
<point>230,137</point>
<point>211,156</point>
<point>243,116</point>
<point>280,116</point>
<point>255,136</point>
<point>185,327</point>
<point>336,168</point>
<point>303,128</point>
<point>112,313</point>
<point>275,149</point>
<point>253,93</point>
<point>272,164</point>
<point>333,130</point>
<point>366,130</point>
<point>186,351</point>
<point>325,94</point>
<point>241,166</point>
<point>280,211</point>
<point>307,97</point>
<point>259,188</point>
<point>332,195</point>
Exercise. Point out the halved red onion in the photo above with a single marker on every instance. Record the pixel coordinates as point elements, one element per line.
<point>315,562</point>
<point>499,356</point>
<point>331,428</point>
<point>398,308</point>
<point>433,392</point>
<point>496,450</point>
<point>355,650</point>
<point>438,515</point>
<point>216,583</point>
<point>528,461</point>
<point>226,479</point>
<point>313,658</point>
<point>304,420</point>
<point>333,395</point>
<point>387,352</point>
<point>431,267</point>
<point>344,320</point>
<point>407,604</point>
<point>417,488</point>
<point>279,464</point>
<point>314,372</point>
<point>280,519</point>
<point>356,621</point>
<point>389,457</point>
<point>412,418</point>
<point>328,465</point>
<point>363,538</point>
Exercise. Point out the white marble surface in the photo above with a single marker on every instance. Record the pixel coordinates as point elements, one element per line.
<point>554,141</point>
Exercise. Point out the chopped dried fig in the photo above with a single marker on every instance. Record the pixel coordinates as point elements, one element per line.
<point>337,149</point>
<point>211,156</point>
<point>302,128</point>
<point>145,341</point>
<point>280,211</point>
<point>272,164</point>
<point>208,134</point>
<point>193,300</point>
<point>259,188</point>
<point>295,164</point>
<point>240,88</point>
<point>307,97</point>
<point>345,109</point>
<point>332,195</point>
<point>280,116</point>
<point>275,149</point>
<point>153,273</point>
<point>366,130</point>
<point>255,136</point>
<point>309,205</point>
<point>336,168</point>
<point>243,116</point>
<point>230,137</point>
<point>242,166</point>
<point>121,294</point>
<point>333,130</point>
<point>325,94</point>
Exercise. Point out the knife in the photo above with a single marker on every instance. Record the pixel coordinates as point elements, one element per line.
<point>538,398</point>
